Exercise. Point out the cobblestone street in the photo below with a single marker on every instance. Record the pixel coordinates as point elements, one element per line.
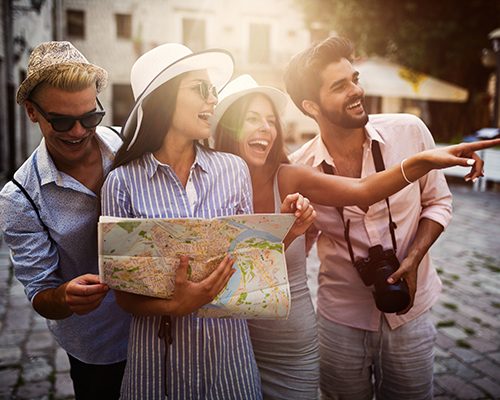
<point>467,316</point>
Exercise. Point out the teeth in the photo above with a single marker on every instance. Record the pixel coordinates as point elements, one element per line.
<point>354,105</point>
<point>205,116</point>
<point>264,143</point>
<point>74,141</point>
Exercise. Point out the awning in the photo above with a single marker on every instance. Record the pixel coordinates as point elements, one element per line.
<point>379,77</point>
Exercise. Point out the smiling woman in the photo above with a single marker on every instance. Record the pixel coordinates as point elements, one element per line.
<point>162,172</point>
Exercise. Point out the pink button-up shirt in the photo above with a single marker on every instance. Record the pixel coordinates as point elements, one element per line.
<point>342,296</point>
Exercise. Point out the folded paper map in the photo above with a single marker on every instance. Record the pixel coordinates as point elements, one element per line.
<point>141,256</point>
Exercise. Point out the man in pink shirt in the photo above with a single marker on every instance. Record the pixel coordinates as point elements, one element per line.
<point>357,339</point>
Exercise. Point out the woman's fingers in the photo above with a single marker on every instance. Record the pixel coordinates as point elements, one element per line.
<point>289,204</point>
<point>219,277</point>
<point>182,270</point>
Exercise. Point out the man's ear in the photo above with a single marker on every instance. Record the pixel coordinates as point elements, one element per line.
<point>311,107</point>
<point>30,111</point>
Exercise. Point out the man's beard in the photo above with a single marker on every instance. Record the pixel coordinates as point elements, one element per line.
<point>344,120</point>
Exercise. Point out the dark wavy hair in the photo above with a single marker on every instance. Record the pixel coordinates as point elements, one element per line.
<point>158,111</point>
<point>228,131</point>
<point>303,73</point>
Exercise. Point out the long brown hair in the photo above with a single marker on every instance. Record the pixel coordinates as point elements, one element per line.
<point>228,132</point>
<point>158,109</point>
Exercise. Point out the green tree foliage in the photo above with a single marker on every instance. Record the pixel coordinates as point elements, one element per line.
<point>443,38</point>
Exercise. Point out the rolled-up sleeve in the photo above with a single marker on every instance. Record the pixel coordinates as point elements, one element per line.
<point>436,198</point>
<point>34,256</point>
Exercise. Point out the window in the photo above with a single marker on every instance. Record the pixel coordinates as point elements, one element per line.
<point>123,26</point>
<point>75,23</point>
<point>259,51</point>
<point>123,102</point>
<point>193,33</point>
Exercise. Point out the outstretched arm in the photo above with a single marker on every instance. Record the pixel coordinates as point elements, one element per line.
<point>339,191</point>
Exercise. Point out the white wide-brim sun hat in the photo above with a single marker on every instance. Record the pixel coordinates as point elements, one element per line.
<point>165,62</point>
<point>241,86</point>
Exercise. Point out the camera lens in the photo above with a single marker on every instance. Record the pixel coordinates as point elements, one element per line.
<point>390,298</point>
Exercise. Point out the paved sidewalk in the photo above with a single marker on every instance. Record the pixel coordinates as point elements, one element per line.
<point>32,365</point>
<point>467,316</point>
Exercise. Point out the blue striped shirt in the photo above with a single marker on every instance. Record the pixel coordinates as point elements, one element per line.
<point>209,358</point>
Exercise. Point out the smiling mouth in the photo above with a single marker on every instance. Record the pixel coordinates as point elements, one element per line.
<point>73,142</point>
<point>260,145</point>
<point>354,105</point>
<point>205,116</point>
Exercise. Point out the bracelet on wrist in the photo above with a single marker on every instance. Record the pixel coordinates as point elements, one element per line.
<point>403,172</point>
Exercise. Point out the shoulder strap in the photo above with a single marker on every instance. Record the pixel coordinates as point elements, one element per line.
<point>379,166</point>
<point>377,156</point>
<point>328,169</point>
<point>32,202</point>
<point>119,134</point>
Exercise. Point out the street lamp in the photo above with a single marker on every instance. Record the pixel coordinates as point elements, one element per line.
<point>494,36</point>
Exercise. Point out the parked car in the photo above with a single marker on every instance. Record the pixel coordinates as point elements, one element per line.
<point>483,134</point>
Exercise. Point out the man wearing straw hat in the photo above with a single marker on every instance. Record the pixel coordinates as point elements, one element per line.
<point>49,212</point>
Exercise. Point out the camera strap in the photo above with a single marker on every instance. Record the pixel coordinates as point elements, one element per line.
<point>379,166</point>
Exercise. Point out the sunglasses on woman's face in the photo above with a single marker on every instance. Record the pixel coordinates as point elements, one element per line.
<point>65,123</point>
<point>206,89</point>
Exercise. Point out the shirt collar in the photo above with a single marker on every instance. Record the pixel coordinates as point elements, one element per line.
<point>48,171</point>
<point>45,165</point>
<point>372,134</point>
<point>201,160</point>
<point>320,153</point>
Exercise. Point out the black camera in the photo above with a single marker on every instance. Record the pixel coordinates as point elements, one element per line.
<point>374,270</point>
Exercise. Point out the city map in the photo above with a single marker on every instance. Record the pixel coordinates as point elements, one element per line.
<point>141,255</point>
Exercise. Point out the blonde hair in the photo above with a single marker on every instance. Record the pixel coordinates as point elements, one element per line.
<point>70,77</point>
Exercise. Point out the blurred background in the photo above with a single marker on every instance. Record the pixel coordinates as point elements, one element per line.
<point>437,59</point>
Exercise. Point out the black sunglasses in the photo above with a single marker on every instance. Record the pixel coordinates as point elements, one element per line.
<point>65,123</point>
<point>206,89</point>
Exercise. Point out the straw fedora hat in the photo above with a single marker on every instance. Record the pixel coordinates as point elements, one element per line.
<point>50,56</point>
<point>241,86</point>
<point>165,62</point>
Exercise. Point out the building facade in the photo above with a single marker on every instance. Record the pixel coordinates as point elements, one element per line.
<point>261,35</point>
<point>24,24</point>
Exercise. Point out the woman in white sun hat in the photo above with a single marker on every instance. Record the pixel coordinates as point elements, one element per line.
<point>162,172</point>
<point>247,123</point>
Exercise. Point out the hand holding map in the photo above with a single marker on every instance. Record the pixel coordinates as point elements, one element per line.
<point>189,296</point>
<point>141,256</point>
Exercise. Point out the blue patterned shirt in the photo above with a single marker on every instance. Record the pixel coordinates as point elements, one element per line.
<point>70,210</point>
<point>209,358</point>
